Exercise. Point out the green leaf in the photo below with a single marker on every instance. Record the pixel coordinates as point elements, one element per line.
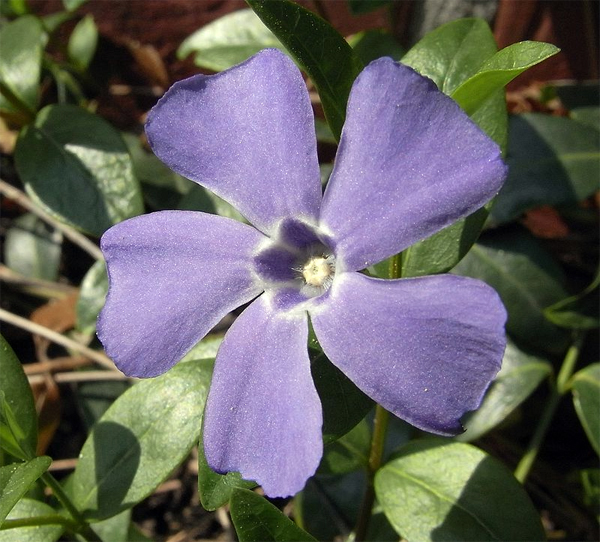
<point>92,294</point>
<point>527,279</point>
<point>229,40</point>
<point>590,116</point>
<point>215,489</point>
<point>19,400</point>
<point>94,398</point>
<point>140,440</point>
<point>207,348</point>
<point>552,161</point>
<point>452,53</point>
<point>77,166</point>
<point>449,56</point>
<point>83,42</point>
<point>350,452</point>
<point>586,398</point>
<point>499,70</point>
<point>72,5</point>
<point>590,480</point>
<point>328,508</point>
<point>319,49</point>
<point>202,199</point>
<point>520,375</point>
<point>16,479</point>
<point>436,490</point>
<point>162,187</point>
<point>257,520</point>
<point>372,44</point>
<point>578,311</point>
<point>32,248</point>
<point>21,45</point>
<point>31,509</point>
<point>344,405</point>
<point>442,251</point>
<point>114,529</point>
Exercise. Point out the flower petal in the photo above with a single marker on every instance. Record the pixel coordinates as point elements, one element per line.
<point>410,162</point>
<point>247,134</point>
<point>424,348</point>
<point>173,275</point>
<point>263,416</point>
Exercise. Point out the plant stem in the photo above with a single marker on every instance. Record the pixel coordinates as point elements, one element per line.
<point>57,338</point>
<point>70,233</point>
<point>557,390</point>
<point>377,442</point>
<point>376,455</point>
<point>36,521</point>
<point>82,527</point>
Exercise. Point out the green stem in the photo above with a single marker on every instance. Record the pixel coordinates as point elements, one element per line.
<point>375,458</point>
<point>36,521</point>
<point>82,527</point>
<point>377,442</point>
<point>556,393</point>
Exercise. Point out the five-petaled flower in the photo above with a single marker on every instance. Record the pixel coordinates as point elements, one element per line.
<point>410,162</point>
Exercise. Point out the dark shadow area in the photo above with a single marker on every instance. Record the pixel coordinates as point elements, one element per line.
<point>117,455</point>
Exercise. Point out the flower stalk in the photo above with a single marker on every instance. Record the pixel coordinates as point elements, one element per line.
<point>557,391</point>
<point>380,425</point>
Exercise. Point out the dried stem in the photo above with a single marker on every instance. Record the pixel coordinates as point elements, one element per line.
<point>70,233</point>
<point>57,338</point>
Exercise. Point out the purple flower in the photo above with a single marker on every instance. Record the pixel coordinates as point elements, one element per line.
<point>410,162</point>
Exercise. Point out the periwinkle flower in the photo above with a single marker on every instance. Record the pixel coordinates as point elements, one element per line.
<point>409,163</point>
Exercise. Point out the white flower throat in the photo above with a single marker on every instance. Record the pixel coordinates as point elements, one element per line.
<point>319,271</point>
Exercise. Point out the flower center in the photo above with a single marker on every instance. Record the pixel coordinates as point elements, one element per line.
<point>319,271</point>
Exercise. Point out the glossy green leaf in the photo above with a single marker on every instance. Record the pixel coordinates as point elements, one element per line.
<point>452,53</point>
<point>229,40</point>
<point>92,294</point>
<point>348,453</point>
<point>578,311</point>
<point>449,56</point>
<point>586,398</point>
<point>440,490</point>
<point>202,199</point>
<point>32,248</point>
<point>162,188</point>
<point>369,45</point>
<point>344,405</point>
<point>19,399</point>
<point>552,161</point>
<point>207,348</point>
<point>29,508</point>
<point>215,489</point>
<point>319,49</point>
<point>518,267</point>
<point>78,167</point>
<point>114,529</point>
<point>257,520</point>
<point>94,398</point>
<point>21,45</point>
<point>520,375</point>
<point>140,440</point>
<point>83,42</point>
<point>442,251</point>
<point>16,479</point>
<point>499,70</point>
